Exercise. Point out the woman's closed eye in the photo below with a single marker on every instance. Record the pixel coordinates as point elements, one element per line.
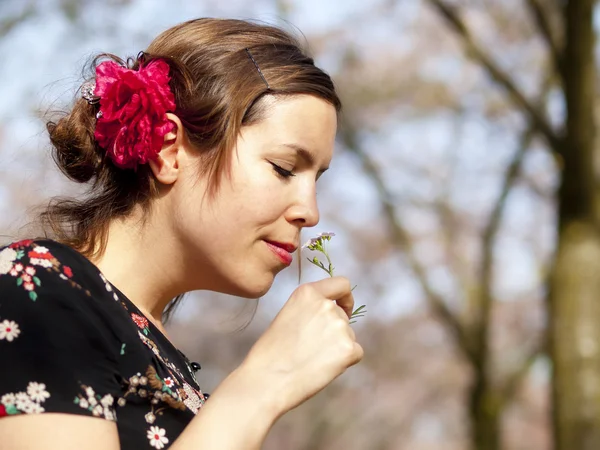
<point>281,171</point>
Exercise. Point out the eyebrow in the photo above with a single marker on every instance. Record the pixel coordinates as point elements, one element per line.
<point>306,155</point>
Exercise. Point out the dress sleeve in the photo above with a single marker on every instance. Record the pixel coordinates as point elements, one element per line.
<point>57,351</point>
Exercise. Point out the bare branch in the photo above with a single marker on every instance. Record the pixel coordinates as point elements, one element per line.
<point>475,52</point>
<point>514,381</point>
<point>485,300</point>
<point>402,239</point>
<point>543,24</point>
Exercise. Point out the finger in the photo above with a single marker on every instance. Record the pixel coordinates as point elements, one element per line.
<point>351,333</point>
<point>338,289</point>
<point>358,354</point>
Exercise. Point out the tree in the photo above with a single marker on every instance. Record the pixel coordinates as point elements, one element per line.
<point>574,329</point>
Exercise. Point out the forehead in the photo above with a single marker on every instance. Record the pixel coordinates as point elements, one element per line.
<point>304,120</point>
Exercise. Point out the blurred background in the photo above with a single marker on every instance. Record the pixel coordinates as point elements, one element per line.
<point>463,194</point>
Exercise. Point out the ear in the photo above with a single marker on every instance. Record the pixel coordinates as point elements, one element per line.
<point>166,164</point>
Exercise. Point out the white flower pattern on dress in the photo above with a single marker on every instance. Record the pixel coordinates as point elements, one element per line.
<point>157,438</point>
<point>108,287</point>
<point>9,330</point>
<point>41,262</point>
<point>8,399</point>
<point>99,406</point>
<point>37,392</point>
<point>28,265</point>
<point>192,401</point>
<point>7,256</point>
<point>25,402</point>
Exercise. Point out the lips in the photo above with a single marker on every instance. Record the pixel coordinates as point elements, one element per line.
<point>290,248</point>
<point>282,250</point>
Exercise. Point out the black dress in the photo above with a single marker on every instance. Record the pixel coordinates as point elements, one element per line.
<point>70,342</point>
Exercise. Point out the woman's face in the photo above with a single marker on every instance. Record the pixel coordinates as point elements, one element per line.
<point>238,241</point>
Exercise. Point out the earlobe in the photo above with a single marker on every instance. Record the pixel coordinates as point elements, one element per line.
<point>166,164</point>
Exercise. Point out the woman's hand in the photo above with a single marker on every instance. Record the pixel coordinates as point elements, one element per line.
<point>308,344</point>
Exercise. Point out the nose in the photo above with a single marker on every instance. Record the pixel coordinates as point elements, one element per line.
<point>305,211</point>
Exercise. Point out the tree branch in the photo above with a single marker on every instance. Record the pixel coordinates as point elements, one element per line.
<point>485,300</point>
<point>475,52</point>
<point>543,24</point>
<point>402,239</point>
<point>516,378</point>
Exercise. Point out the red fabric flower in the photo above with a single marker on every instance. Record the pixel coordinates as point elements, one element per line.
<point>3,410</point>
<point>23,243</point>
<point>36,255</point>
<point>68,272</point>
<point>140,321</point>
<point>133,107</point>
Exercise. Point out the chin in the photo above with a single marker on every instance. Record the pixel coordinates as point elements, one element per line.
<point>254,291</point>
<point>251,288</point>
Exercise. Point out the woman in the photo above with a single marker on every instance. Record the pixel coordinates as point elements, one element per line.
<point>202,155</point>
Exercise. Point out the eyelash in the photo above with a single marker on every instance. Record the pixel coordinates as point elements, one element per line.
<point>282,172</point>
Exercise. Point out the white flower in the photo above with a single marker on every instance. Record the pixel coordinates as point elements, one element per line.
<point>316,241</point>
<point>7,256</point>
<point>38,392</point>
<point>84,403</point>
<point>9,330</point>
<point>22,400</point>
<point>93,401</point>
<point>121,401</point>
<point>327,235</point>
<point>8,399</point>
<point>41,262</point>
<point>107,400</point>
<point>157,437</point>
<point>36,408</point>
<point>97,411</point>
<point>192,401</point>
<point>311,243</point>
<point>150,418</point>
<point>107,285</point>
<point>29,408</point>
<point>108,414</point>
<point>30,270</point>
<point>169,382</point>
<point>40,249</point>
<point>89,392</point>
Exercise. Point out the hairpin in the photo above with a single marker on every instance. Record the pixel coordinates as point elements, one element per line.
<point>257,68</point>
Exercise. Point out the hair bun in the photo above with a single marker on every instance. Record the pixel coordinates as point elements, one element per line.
<point>75,150</point>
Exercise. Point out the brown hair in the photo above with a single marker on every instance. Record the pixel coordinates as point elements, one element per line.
<point>217,90</point>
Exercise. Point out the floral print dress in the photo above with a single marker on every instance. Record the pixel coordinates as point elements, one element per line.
<point>70,342</point>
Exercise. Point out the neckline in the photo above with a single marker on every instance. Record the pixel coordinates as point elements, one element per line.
<point>156,332</point>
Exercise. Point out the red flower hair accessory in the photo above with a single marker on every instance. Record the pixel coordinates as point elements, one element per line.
<point>132,120</point>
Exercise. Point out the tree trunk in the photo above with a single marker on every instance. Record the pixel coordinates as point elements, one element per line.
<point>485,417</point>
<point>575,282</point>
